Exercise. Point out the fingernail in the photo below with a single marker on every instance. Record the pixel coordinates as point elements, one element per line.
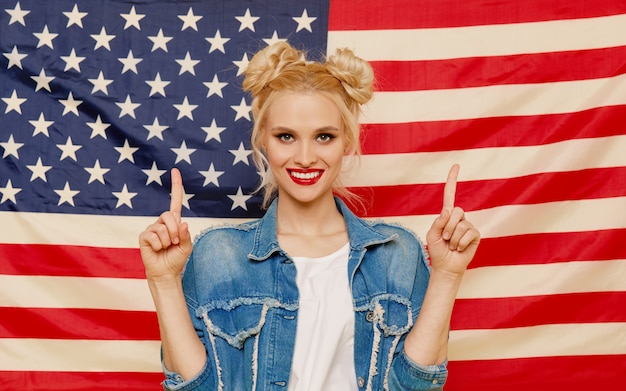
<point>446,236</point>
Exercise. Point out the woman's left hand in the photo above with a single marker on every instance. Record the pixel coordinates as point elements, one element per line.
<point>452,240</point>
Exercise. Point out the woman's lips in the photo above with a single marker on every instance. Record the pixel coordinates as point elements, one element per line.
<point>305,177</point>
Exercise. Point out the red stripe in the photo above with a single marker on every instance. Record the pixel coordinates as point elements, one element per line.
<point>578,373</point>
<point>543,248</point>
<point>527,311</point>
<point>80,381</point>
<point>485,71</point>
<point>492,132</point>
<point>407,14</point>
<point>400,200</point>
<point>67,323</point>
<point>62,260</point>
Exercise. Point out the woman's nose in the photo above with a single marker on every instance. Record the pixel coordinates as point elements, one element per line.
<point>305,154</point>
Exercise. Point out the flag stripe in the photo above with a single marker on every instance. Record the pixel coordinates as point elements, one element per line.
<point>525,311</point>
<point>437,136</point>
<point>555,186</point>
<point>496,101</point>
<point>93,381</point>
<point>572,373</point>
<point>544,279</point>
<point>84,323</point>
<point>407,14</point>
<point>496,70</point>
<point>484,40</point>
<point>538,341</point>
<point>40,354</point>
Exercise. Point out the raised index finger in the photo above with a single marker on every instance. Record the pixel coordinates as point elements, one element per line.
<point>449,191</point>
<point>176,200</point>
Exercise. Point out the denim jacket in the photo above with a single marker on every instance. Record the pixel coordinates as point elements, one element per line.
<point>241,292</point>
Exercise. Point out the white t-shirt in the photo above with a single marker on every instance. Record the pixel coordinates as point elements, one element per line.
<point>324,348</point>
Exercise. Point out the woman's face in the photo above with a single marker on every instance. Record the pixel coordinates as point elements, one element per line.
<point>304,142</point>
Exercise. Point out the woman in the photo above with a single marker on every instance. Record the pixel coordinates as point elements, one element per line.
<point>309,297</point>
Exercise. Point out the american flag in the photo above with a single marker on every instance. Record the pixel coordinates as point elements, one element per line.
<point>98,100</point>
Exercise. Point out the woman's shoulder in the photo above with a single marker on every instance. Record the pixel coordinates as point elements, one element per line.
<point>226,233</point>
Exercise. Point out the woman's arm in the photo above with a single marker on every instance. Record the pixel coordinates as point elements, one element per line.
<point>165,247</point>
<point>452,243</point>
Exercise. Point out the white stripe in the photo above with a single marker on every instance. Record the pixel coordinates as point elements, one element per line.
<point>538,341</point>
<point>550,217</point>
<point>563,216</point>
<point>79,355</point>
<point>487,163</point>
<point>86,230</point>
<point>75,292</point>
<point>479,41</point>
<point>495,101</point>
<point>545,279</point>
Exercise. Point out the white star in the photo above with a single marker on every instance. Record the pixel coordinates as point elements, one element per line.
<point>239,200</point>
<point>9,192</point>
<point>210,176</point>
<point>71,104</point>
<point>185,109</point>
<point>155,130</point>
<point>159,41</point>
<point>100,84</point>
<point>217,42</point>
<point>157,85</point>
<point>132,19</point>
<point>75,17</point>
<point>187,64</point>
<point>68,149</point>
<point>41,125</point>
<point>127,107</point>
<point>243,64</point>
<point>126,152</point>
<point>17,14</point>
<point>96,173</point>
<point>43,81</point>
<point>45,38</point>
<point>241,154</point>
<point>72,61</point>
<point>39,171</point>
<point>213,131</point>
<point>15,58</point>
<point>98,128</point>
<point>14,103</point>
<point>154,174</point>
<point>11,147</point>
<point>243,110</point>
<point>274,39</point>
<point>215,87</point>
<point>130,63</point>
<point>304,21</point>
<point>189,20</point>
<point>102,39</point>
<point>66,195</point>
<point>247,21</point>
<point>183,153</point>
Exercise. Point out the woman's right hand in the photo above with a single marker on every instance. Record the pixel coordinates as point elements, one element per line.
<point>166,244</point>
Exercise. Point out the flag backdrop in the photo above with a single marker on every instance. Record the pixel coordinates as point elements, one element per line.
<point>99,99</point>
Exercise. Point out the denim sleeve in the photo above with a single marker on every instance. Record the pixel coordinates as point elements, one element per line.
<point>174,382</point>
<point>407,375</point>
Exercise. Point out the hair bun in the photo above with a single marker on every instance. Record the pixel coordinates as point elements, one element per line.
<point>268,63</point>
<point>356,75</point>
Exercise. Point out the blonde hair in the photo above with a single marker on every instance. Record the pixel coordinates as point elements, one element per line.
<point>344,78</point>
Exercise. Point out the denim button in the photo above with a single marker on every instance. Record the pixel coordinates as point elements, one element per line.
<point>369,316</point>
<point>361,381</point>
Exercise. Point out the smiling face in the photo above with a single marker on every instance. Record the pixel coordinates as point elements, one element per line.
<point>304,144</point>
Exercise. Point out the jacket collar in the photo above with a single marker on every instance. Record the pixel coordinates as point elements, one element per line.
<point>360,233</point>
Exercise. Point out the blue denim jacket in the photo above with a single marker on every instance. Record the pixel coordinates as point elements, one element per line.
<point>241,292</point>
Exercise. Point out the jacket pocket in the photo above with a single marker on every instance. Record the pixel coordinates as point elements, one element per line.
<point>237,320</point>
<point>392,314</point>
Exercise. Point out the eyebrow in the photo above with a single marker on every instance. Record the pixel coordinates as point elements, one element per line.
<point>322,129</point>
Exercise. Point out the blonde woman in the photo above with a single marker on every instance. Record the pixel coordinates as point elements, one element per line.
<point>309,297</point>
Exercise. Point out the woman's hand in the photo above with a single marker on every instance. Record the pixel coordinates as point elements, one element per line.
<point>452,240</point>
<point>166,244</point>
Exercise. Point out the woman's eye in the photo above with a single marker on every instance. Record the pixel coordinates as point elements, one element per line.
<point>285,137</point>
<point>325,137</point>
